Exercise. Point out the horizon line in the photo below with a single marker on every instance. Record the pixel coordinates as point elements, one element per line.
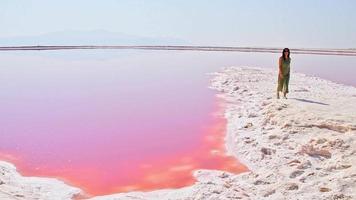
<point>313,51</point>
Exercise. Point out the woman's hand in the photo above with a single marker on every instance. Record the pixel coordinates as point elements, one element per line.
<point>280,74</point>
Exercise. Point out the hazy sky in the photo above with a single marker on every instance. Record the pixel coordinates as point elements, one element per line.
<point>302,23</point>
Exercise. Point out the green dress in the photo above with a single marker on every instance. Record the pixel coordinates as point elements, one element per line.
<point>284,81</point>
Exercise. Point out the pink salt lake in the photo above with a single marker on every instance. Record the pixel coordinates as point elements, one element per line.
<point>124,122</point>
<point>110,126</point>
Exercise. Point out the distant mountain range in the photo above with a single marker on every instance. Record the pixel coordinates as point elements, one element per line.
<point>96,37</point>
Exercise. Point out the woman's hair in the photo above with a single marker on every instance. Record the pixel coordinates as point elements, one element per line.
<point>285,50</point>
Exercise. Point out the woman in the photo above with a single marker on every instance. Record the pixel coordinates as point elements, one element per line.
<point>283,74</point>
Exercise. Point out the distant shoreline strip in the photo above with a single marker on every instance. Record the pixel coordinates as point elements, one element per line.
<point>314,51</point>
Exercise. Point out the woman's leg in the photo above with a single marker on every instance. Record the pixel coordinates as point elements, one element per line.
<point>286,85</point>
<point>280,85</point>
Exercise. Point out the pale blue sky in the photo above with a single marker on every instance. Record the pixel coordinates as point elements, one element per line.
<point>302,23</point>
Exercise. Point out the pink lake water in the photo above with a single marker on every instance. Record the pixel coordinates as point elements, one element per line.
<point>123,121</point>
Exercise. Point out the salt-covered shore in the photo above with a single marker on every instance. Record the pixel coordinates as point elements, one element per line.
<point>13,186</point>
<point>303,147</point>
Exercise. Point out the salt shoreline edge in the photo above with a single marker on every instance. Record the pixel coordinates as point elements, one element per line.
<point>300,148</point>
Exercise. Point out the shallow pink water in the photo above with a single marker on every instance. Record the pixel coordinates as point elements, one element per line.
<point>106,127</point>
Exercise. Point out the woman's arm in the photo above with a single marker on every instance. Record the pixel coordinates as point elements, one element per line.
<point>280,67</point>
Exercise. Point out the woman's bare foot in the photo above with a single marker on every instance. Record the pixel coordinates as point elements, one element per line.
<point>285,95</point>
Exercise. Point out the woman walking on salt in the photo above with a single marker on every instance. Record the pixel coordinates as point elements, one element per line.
<point>284,73</point>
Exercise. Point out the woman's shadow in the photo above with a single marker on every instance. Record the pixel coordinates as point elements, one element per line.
<point>310,101</point>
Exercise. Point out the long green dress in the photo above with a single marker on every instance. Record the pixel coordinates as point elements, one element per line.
<point>284,81</point>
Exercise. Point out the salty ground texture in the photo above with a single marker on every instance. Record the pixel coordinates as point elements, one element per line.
<point>303,147</point>
<point>15,186</point>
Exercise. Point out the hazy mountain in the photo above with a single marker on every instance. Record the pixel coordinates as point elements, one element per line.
<point>97,37</point>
